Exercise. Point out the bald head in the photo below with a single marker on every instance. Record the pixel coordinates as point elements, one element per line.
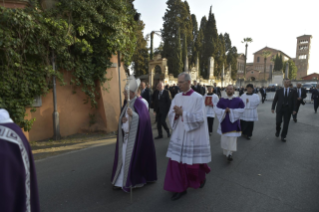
<point>230,90</point>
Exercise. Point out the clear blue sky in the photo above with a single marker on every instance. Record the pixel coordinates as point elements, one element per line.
<point>272,23</point>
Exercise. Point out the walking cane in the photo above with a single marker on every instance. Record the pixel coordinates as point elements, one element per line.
<point>128,106</point>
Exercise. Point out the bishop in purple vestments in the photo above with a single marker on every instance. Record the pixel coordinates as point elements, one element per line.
<point>135,157</point>
<point>18,180</point>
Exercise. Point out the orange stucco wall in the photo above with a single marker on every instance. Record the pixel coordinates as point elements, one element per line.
<point>110,101</point>
<point>73,113</point>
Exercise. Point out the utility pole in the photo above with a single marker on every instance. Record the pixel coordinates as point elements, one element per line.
<point>56,120</point>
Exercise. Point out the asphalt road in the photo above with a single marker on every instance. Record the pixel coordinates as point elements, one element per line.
<point>266,175</point>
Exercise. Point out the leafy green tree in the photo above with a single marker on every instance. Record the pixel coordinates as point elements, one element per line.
<point>140,57</point>
<point>292,69</point>
<point>83,35</point>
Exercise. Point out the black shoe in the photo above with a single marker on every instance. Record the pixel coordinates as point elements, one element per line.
<point>277,134</point>
<point>283,139</point>
<point>247,137</point>
<point>203,184</point>
<point>168,135</point>
<point>116,188</point>
<point>178,195</point>
<point>159,137</point>
<point>230,158</point>
<point>295,120</point>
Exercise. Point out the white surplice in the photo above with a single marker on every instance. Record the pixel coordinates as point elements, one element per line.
<point>209,109</point>
<point>228,140</point>
<point>250,113</point>
<point>125,128</point>
<point>189,142</point>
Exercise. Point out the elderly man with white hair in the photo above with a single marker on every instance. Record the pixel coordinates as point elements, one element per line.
<point>135,158</point>
<point>189,147</point>
<point>228,111</point>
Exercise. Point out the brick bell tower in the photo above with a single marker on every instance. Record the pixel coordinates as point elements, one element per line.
<point>303,55</point>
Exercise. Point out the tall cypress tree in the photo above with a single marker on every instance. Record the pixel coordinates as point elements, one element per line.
<point>276,65</point>
<point>194,53</point>
<point>200,43</point>
<point>187,29</point>
<point>177,23</point>
<point>211,41</point>
<point>220,56</point>
<point>281,63</point>
<point>177,65</point>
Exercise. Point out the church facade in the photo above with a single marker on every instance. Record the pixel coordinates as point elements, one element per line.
<point>255,70</point>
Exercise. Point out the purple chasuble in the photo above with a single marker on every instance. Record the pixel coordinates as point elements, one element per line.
<point>226,125</point>
<point>14,185</point>
<point>143,167</point>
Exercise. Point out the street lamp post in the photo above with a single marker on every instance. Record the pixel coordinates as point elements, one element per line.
<point>245,62</point>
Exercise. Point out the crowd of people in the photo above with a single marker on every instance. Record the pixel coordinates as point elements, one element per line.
<point>190,109</point>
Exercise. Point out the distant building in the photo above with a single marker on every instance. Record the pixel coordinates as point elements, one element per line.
<point>303,55</point>
<point>313,76</point>
<point>255,70</point>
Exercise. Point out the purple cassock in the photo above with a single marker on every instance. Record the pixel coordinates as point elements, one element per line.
<point>227,126</point>
<point>18,181</point>
<point>179,176</point>
<point>142,167</point>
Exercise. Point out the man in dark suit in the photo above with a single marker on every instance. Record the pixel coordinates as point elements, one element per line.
<point>162,104</point>
<point>286,101</point>
<point>301,95</point>
<point>145,93</point>
<point>263,94</point>
<point>241,91</point>
<point>217,91</point>
<point>196,87</point>
<point>174,90</point>
<point>315,98</point>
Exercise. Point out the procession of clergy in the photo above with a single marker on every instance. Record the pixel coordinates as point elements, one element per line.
<point>191,116</point>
